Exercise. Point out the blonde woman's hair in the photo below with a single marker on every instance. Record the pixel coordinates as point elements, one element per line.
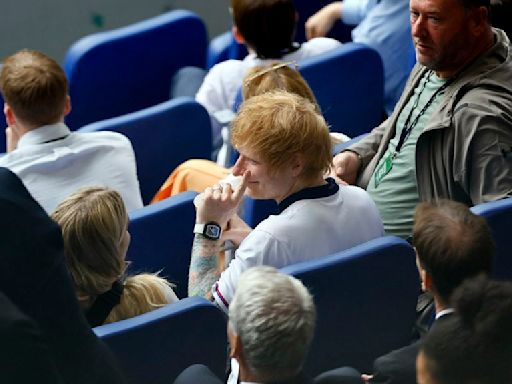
<point>276,76</point>
<point>93,221</point>
<point>142,293</point>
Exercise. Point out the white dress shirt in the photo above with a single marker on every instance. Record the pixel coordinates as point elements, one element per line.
<point>53,162</point>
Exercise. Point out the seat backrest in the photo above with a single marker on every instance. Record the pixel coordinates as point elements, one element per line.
<point>365,299</point>
<point>163,137</point>
<point>499,217</point>
<point>156,346</point>
<point>162,235</point>
<point>120,71</point>
<point>348,83</point>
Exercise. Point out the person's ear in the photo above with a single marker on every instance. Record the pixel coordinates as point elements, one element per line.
<point>479,21</point>
<point>237,35</point>
<point>10,119</point>
<point>67,106</point>
<point>421,272</point>
<point>297,165</point>
<point>426,281</point>
<point>235,344</point>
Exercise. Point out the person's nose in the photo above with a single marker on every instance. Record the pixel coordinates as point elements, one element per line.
<point>239,167</point>
<point>418,26</point>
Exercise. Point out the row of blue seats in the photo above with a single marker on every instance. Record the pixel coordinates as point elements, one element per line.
<point>128,69</point>
<point>365,297</point>
<point>171,132</point>
<point>125,70</point>
<point>162,237</point>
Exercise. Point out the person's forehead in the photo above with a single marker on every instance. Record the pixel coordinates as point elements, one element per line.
<point>249,152</point>
<point>436,5</point>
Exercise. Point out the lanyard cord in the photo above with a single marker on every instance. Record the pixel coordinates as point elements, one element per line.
<point>406,131</point>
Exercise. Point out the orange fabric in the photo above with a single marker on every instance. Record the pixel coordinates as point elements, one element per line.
<point>192,175</point>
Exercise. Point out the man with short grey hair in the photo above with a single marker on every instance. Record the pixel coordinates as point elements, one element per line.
<point>271,325</point>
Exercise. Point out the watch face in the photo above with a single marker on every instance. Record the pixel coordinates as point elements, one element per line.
<point>212,231</point>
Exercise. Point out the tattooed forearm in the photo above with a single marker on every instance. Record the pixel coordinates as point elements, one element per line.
<point>203,266</point>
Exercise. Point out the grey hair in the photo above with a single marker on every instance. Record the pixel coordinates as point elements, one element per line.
<point>274,316</point>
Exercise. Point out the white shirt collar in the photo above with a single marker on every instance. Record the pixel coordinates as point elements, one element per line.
<point>43,134</point>
<point>444,312</point>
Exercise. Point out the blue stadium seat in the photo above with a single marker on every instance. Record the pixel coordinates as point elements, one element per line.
<point>156,346</point>
<point>162,136</point>
<point>127,69</point>
<point>348,84</point>
<point>499,217</point>
<point>365,299</point>
<point>162,235</point>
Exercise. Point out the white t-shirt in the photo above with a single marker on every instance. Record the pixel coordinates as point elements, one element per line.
<point>306,229</point>
<point>221,84</point>
<point>53,162</point>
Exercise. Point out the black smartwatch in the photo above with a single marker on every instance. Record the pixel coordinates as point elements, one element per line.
<point>210,230</point>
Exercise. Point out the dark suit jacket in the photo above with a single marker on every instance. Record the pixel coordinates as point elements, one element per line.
<point>24,355</point>
<point>199,373</point>
<point>399,366</point>
<point>34,277</point>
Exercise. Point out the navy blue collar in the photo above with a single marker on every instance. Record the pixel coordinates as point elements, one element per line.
<point>325,190</point>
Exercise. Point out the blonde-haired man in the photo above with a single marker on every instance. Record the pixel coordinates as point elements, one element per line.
<point>285,150</point>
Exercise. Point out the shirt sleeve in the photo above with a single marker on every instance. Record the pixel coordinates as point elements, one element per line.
<point>354,11</point>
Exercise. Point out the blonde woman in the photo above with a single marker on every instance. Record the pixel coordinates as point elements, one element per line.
<point>94,226</point>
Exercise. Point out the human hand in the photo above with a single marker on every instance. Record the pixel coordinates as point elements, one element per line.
<point>319,24</point>
<point>346,166</point>
<point>219,203</point>
<point>237,230</point>
<point>11,139</point>
<point>366,378</point>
